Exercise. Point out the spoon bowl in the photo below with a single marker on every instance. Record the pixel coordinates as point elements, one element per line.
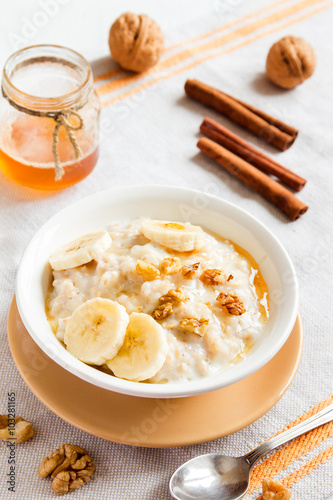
<point>224,477</point>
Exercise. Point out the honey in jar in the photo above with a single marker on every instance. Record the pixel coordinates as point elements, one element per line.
<point>48,118</point>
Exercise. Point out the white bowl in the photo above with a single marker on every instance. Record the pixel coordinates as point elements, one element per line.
<point>168,203</point>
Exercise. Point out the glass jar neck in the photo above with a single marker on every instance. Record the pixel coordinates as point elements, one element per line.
<point>47,78</point>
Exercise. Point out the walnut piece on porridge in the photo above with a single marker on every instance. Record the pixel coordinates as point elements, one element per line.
<point>194,325</point>
<point>148,271</point>
<point>212,277</point>
<point>170,265</point>
<point>69,466</point>
<point>15,428</point>
<point>162,311</point>
<point>232,303</point>
<point>273,490</point>
<point>175,296</point>
<point>189,271</point>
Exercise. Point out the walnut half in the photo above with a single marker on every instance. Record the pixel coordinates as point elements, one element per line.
<point>70,467</point>
<point>232,303</point>
<point>15,429</point>
<point>273,490</point>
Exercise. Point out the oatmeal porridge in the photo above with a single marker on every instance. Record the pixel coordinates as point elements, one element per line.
<point>156,301</point>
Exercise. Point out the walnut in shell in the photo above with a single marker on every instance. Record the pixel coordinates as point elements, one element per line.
<point>19,431</point>
<point>136,41</point>
<point>290,62</point>
<point>69,466</point>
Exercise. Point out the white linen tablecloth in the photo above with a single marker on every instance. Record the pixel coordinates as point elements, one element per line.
<point>148,136</point>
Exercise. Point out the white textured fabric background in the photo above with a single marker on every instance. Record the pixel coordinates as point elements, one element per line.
<point>150,138</point>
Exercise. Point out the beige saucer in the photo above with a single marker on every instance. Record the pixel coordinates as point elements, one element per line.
<point>153,422</point>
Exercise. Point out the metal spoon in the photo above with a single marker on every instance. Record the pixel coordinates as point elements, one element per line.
<point>218,477</point>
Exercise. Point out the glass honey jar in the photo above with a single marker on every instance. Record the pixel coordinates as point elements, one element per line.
<point>48,118</point>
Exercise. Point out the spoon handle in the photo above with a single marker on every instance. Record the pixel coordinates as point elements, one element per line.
<point>324,416</point>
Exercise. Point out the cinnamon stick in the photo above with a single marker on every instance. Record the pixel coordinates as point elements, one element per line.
<point>281,197</point>
<point>241,148</point>
<point>270,119</point>
<point>261,124</point>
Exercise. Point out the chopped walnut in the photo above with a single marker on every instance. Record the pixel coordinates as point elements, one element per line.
<point>163,311</point>
<point>232,303</point>
<point>175,296</point>
<point>147,271</point>
<point>193,325</point>
<point>212,277</point>
<point>226,298</point>
<point>236,309</point>
<point>189,271</point>
<point>15,429</point>
<point>170,265</point>
<point>69,466</point>
<point>273,490</point>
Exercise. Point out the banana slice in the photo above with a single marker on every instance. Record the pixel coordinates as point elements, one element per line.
<point>144,350</point>
<point>180,237</point>
<point>80,251</point>
<point>96,330</point>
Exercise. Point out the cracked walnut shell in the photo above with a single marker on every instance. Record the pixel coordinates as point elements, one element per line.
<point>290,62</point>
<point>69,466</point>
<point>136,41</point>
<point>15,429</point>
